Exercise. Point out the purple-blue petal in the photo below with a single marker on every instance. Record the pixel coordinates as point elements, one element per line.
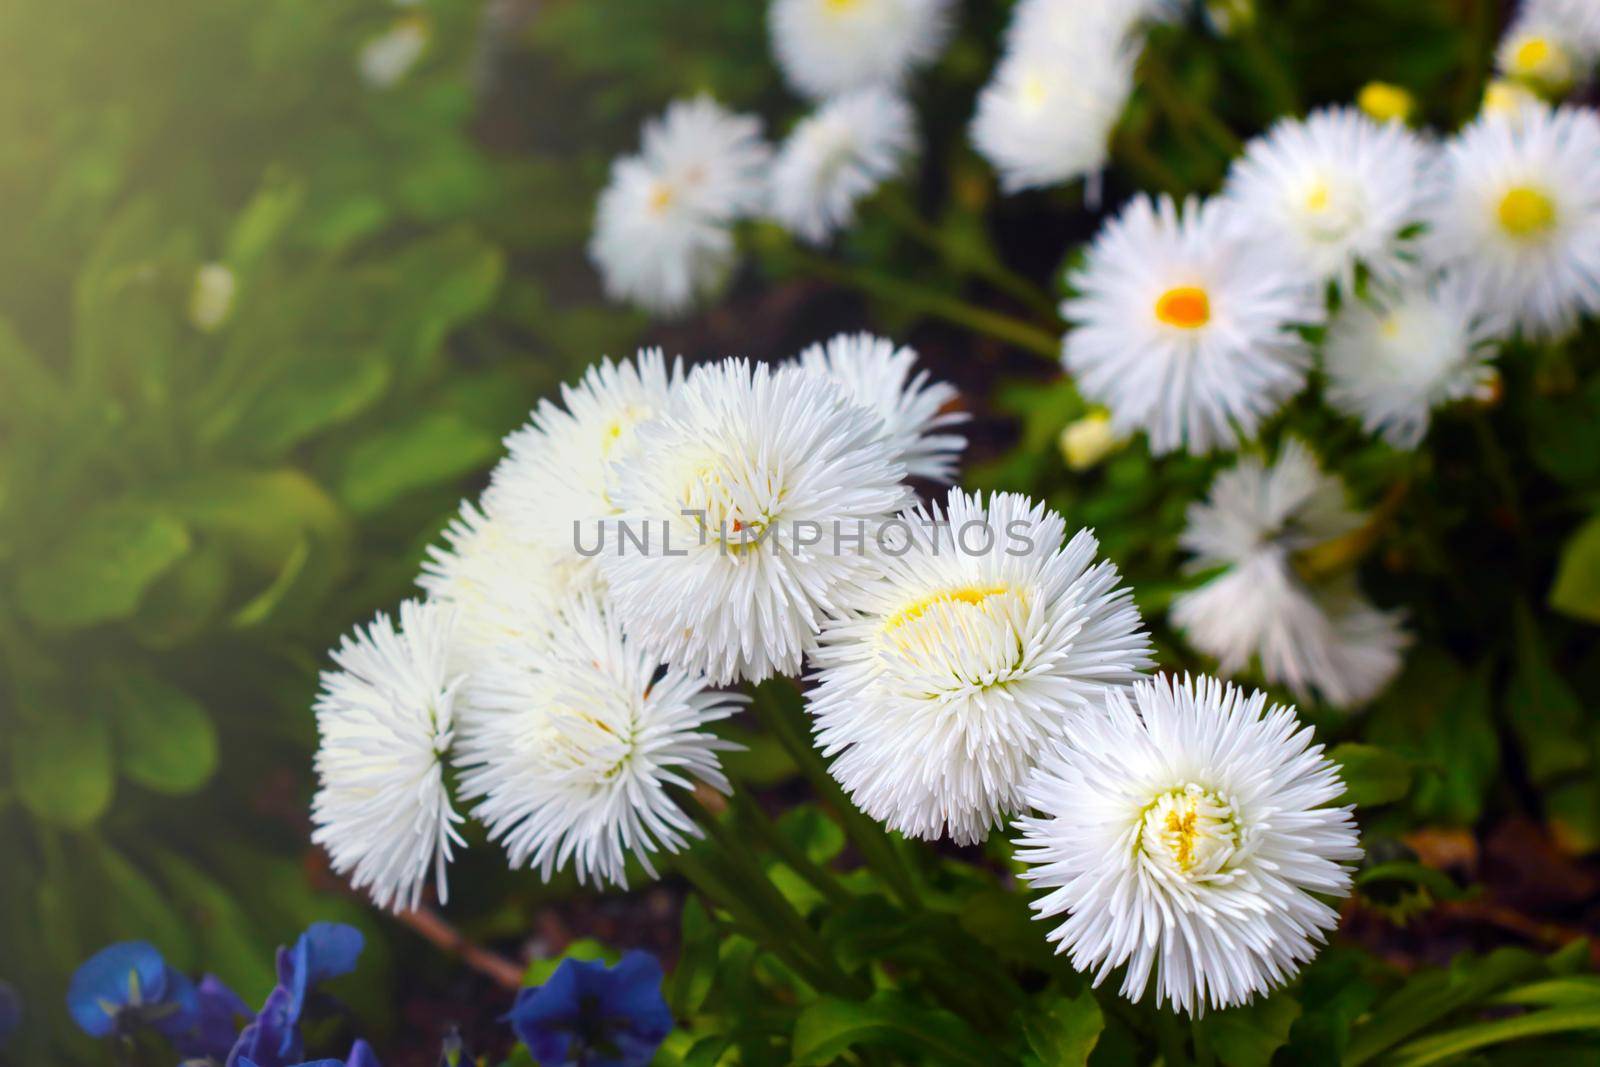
<point>222,1013</point>
<point>324,951</point>
<point>106,981</point>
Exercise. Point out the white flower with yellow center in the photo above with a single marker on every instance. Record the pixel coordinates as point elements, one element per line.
<point>1551,44</point>
<point>1335,191</point>
<point>1325,640</point>
<point>746,510</point>
<point>571,749</point>
<point>386,719</point>
<point>851,145</point>
<point>1391,363</point>
<point>1046,116</point>
<point>503,588</point>
<point>1520,219</point>
<point>981,641</point>
<point>1184,328</point>
<point>828,47</point>
<point>1186,834</point>
<point>663,226</point>
<point>876,374</point>
<point>553,487</point>
<point>1576,23</point>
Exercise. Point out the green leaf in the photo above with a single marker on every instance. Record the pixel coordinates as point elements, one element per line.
<point>1437,883</point>
<point>828,1027</point>
<point>1542,708</point>
<point>1555,992</point>
<point>1249,1036</point>
<point>1372,775</point>
<point>139,909</point>
<point>1576,591</point>
<point>263,220</point>
<point>1065,1030</point>
<point>696,970</point>
<point>585,948</point>
<point>436,285</point>
<point>1439,716</point>
<point>431,449</point>
<point>1451,1045</point>
<point>262,516</point>
<point>309,397</point>
<point>62,766</point>
<point>1573,809</point>
<point>229,944</point>
<point>101,569</point>
<point>165,739</point>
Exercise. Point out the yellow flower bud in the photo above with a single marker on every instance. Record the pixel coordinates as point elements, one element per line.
<point>1385,102</point>
<point>1089,440</point>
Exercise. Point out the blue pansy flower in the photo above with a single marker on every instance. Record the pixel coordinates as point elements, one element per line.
<point>217,1021</point>
<point>273,1037</point>
<point>324,951</point>
<point>361,1055</point>
<point>596,1016</point>
<point>10,1012</point>
<point>127,985</point>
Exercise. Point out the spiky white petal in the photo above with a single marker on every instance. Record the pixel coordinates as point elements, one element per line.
<point>1390,363</point>
<point>553,487</point>
<point>1325,640</point>
<point>828,47</point>
<point>1520,219</point>
<point>876,374</point>
<point>836,156</point>
<point>1187,831</point>
<point>662,234</point>
<point>1337,190</point>
<point>571,749</point>
<point>1186,329</point>
<point>983,639</point>
<point>1046,116</point>
<point>750,493</point>
<point>385,718</point>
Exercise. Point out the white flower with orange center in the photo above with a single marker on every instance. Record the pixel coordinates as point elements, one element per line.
<point>1520,219</point>
<point>1187,833</point>
<point>572,748</point>
<point>1184,328</point>
<point>1337,191</point>
<point>982,640</point>
<point>828,47</point>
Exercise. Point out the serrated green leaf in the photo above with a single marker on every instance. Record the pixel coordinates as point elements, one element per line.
<point>1371,775</point>
<point>102,568</point>
<point>165,739</point>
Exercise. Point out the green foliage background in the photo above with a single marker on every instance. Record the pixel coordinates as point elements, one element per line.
<point>189,518</point>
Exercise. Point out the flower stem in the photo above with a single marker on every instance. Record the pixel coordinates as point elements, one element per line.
<point>781,716</point>
<point>436,931</point>
<point>749,814</point>
<point>1012,331</point>
<point>978,263</point>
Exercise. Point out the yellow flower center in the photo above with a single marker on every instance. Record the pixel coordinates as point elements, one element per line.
<point>1530,56</point>
<point>661,198</point>
<point>972,594</point>
<point>840,5</point>
<point>1526,212</point>
<point>1186,307</point>
<point>1033,92</point>
<point>1189,833</point>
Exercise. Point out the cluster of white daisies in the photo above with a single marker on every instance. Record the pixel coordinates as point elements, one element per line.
<point>660,534</point>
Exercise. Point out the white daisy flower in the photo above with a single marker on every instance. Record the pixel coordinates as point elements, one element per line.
<point>1537,53</point>
<point>1391,363</point>
<point>503,588</point>
<point>1185,329</point>
<point>851,145</point>
<point>983,639</point>
<point>744,512</point>
<point>572,748</point>
<point>1577,22</point>
<point>553,487</point>
<point>1325,640</point>
<point>663,226</point>
<point>1188,831</point>
<point>1053,24</point>
<point>876,374</point>
<point>828,47</point>
<point>1046,116</point>
<point>1520,218</point>
<point>385,717</point>
<point>1334,191</point>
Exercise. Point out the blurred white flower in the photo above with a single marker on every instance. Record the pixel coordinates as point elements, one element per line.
<point>1390,363</point>
<point>838,155</point>
<point>744,510</point>
<point>1537,52</point>
<point>553,487</point>
<point>1505,100</point>
<point>385,717</point>
<point>877,375</point>
<point>828,47</point>
<point>211,298</point>
<point>979,644</point>
<point>663,226</point>
<point>571,749</point>
<point>1334,191</point>
<point>1577,23</point>
<point>1325,641</point>
<point>1520,218</point>
<point>389,57</point>
<point>1046,116</point>
<point>1186,329</point>
<point>1187,831</point>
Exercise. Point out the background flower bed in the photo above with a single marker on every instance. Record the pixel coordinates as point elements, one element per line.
<point>191,513</point>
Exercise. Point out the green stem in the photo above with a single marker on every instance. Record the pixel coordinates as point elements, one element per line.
<point>1012,331</point>
<point>980,264</point>
<point>749,813</point>
<point>874,844</point>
